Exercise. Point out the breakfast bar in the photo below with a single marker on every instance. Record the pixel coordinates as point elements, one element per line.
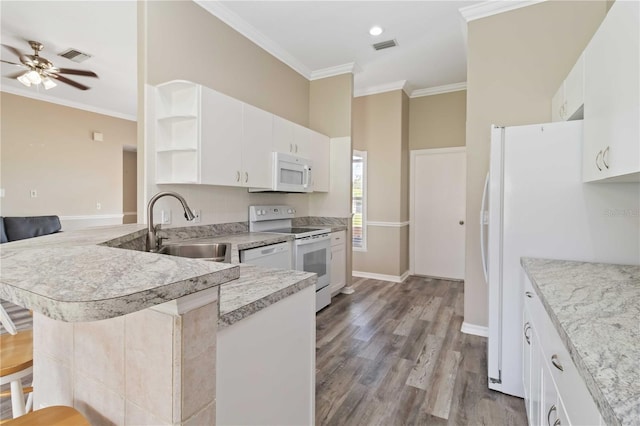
<point>130,337</point>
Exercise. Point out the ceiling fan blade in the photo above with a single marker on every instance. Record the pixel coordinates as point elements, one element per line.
<point>69,82</point>
<point>77,72</point>
<point>13,50</point>
<point>15,75</point>
<point>13,63</point>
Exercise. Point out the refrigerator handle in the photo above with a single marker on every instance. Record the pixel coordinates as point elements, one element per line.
<point>482,233</point>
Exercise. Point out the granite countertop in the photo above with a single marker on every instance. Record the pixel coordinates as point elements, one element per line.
<point>69,277</point>
<point>257,288</point>
<point>596,310</point>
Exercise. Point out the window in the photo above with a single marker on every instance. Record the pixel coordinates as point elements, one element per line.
<point>359,200</point>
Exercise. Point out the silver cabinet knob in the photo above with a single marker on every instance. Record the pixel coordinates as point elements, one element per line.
<point>556,363</point>
<point>461,222</point>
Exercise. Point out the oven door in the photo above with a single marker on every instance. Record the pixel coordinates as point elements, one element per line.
<point>313,254</point>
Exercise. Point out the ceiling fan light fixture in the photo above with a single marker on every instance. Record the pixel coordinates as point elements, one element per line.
<point>376,30</point>
<point>48,83</point>
<point>24,80</point>
<point>34,77</point>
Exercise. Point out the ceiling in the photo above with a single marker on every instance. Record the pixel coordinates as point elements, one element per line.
<point>316,38</point>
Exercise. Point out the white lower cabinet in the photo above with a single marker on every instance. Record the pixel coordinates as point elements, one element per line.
<point>555,393</point>
<point>265,367</point>
<point>338,261</point>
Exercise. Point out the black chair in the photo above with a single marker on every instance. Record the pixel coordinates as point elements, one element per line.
<point>20,228</point>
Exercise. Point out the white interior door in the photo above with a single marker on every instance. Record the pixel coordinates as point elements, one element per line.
<point>438,212</point>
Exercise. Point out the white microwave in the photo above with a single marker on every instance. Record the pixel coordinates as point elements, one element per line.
<point>290,174</point>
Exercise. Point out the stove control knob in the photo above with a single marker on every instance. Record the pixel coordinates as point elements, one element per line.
<point>258,212</point>
<point>264,211</point>
<point>290,211</point>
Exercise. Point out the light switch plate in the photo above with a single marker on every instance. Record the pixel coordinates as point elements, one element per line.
<point>166,217</point>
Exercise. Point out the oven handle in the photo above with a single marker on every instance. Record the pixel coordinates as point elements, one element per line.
<point>318,239</point>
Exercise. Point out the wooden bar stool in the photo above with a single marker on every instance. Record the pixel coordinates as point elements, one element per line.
<point>50,416</point>
<point>16,362</point>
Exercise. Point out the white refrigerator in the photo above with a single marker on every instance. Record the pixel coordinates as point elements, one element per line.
<point>535,205</point>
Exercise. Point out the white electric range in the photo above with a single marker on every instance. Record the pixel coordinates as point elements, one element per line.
<point>311,248</point>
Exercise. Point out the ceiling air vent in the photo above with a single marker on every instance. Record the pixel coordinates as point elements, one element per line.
<point>75,55</point>
<point>385,44</point>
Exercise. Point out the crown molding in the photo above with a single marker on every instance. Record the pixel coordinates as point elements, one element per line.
<point>243,27</point>
<point>351,67</point>
<point>437,90</point>
<point>67,103</point>
<point>493,7</point>
<point>381,88</point>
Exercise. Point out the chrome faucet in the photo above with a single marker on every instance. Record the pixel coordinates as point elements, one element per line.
<point>153,242</point>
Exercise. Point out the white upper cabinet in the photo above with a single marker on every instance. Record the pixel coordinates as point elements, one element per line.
<point>221,161</point>
<point>291,138</point>
<point>206,137</point>
<point>611,99</point>
<point>257,137</point>
<point>568,101</point>
<point>320,152</point>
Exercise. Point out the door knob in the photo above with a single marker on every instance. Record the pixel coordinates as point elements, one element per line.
<point>461,222</point>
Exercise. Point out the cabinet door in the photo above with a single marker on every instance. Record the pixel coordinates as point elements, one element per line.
<point>301,141</point>
<point>257,141</point>
<point>320,150</point>
<point>282,135</point>
<point>549,404</point>
<point>574,91</point>
<point>611,99</point>
<point>338,261</point>
<point>527,333</point>
<point>221,139</point>
<point>557,104</point>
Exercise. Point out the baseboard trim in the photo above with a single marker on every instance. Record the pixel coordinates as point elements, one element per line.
<point>382,277</point>
<point>70,223</point>
<point>476,330</point>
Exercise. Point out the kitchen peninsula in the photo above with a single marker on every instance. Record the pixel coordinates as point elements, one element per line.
<point>127,337</point>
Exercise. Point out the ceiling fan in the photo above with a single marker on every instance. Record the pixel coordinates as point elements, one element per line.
<point>42,71</point>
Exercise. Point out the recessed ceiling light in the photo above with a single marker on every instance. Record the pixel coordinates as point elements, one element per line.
<point>376,30</point>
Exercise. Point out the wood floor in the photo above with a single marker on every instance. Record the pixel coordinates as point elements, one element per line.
<point>393,354</point>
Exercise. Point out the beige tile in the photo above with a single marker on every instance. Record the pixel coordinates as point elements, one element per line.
<point>136,416</point>
<point>97,403</point>
<point>53,384</point>
<point>149,362</point>
<point>199,358</point>
<point>52,337</point>
<point>207,417</point>
<point>99,352</point>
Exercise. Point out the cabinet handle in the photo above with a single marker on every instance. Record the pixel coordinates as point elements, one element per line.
<point>557,422</point>
<point>556,363</point>
<point>551,410</point>
<point>296,145</point>
<point>238,176</point>
<point>562,111</point>
<point>290,147</point>
<point>527,327</point>
<point>597,158</point>
<point>605,155</point>
<point>528,294</point>
<point>246,177</point>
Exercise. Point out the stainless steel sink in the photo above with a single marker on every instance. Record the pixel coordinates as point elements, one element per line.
<point>214,252</point>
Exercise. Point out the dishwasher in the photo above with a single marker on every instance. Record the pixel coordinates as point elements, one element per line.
<point>271,256</point>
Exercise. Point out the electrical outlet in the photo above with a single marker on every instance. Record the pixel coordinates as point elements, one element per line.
<point>34,193</point>
<point>1,192</point>
<point>197,213</point>
<point>166,217</point>
<point>98,205</point>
